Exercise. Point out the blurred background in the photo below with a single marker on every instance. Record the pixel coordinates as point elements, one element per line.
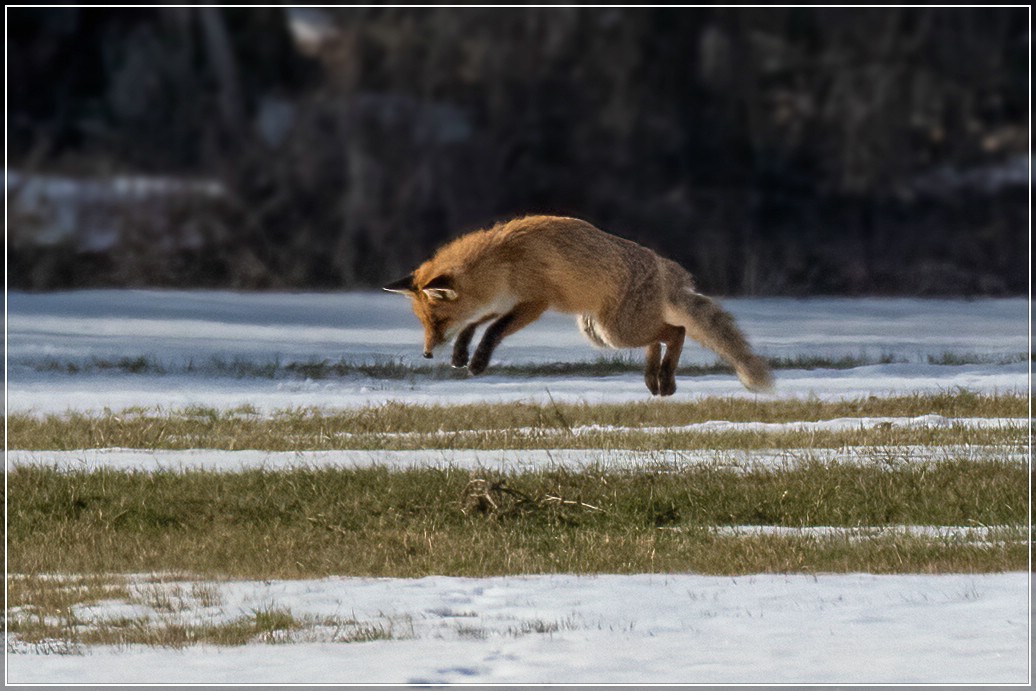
<point>790,151</point>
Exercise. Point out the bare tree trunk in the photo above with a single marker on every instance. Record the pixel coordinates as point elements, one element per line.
<point>217,46</point>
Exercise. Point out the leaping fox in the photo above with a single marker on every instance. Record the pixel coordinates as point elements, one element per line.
<point>624,296</point>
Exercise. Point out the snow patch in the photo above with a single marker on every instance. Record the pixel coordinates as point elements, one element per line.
<point>676,628</point>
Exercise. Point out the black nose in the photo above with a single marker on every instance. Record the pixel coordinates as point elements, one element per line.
<point>428,354</point>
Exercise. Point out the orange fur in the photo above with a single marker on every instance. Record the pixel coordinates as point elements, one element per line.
<point>626,296</point>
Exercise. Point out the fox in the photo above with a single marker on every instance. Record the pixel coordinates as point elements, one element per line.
<point>624,295</point>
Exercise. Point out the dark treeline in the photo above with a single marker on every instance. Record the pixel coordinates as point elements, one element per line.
<point>770,151</point>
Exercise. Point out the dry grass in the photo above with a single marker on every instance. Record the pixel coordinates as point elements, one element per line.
<point>519,425</point>
<point>62,614</point>
<point>378,522</point>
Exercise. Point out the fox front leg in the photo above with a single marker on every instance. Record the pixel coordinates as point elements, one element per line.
<point>460,346</point>
<point>521,316</point>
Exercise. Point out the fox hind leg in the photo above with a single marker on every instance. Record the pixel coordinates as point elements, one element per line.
<point>660,372</point>
<point>653,355</point>
<point>673,337</point>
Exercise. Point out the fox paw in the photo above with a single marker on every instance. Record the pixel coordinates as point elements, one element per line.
<point>478,364</point>
<point>666,379</point>
<point>666,387</point>
<point>661,383</point>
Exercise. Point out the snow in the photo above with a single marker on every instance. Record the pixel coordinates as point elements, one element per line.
<point>192,340</point>
<point>663,628</point>
<point>501,460</point>
<point>42,394</point>
<point>674,628</point>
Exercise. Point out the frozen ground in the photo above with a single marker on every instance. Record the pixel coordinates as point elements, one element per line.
<point>205,348</point>
<point>502,460</point>
<point>210,349</point>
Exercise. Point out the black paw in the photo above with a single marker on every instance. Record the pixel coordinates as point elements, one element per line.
<point>460,358</point>
<point>666,381</point>
<point>478,364</point>
<point>667,388</point>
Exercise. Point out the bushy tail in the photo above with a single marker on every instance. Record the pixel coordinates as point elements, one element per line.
<point>715,328</point>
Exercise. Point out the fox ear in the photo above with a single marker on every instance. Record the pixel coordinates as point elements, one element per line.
<point>404,285</point>
<point>440,288</point>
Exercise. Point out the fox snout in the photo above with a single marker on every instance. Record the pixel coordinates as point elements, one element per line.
<point>435,335</point>
<point>433,339</point>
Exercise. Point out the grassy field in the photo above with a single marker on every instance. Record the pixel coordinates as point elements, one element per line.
<point>594,520</point>
<point>378,522</point>
<point>311,522</point>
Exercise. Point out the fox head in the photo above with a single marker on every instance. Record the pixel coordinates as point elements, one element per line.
<point>437,303</point>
